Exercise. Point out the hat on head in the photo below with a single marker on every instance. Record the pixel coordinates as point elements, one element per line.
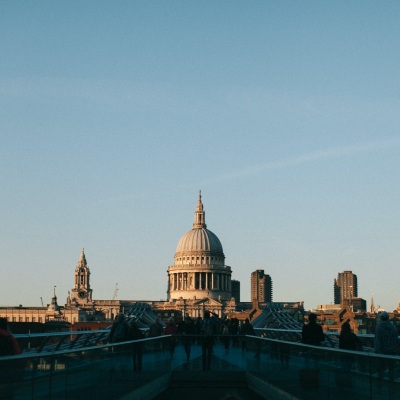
<point>384,315</point>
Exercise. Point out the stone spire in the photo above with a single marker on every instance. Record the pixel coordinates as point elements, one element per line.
<point>54,306</point>
<point>82,260</point>
<point>372,308</point>
<point>199,215</point>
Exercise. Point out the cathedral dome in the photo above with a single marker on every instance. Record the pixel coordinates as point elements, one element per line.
<point>199,239</point>
<point>199,269</point>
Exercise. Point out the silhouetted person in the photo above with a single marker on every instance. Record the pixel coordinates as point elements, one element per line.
<point>247,329</point>
<point>225,334</point>
<point>207,340</point>
<point>119,329</point>
<point>347,341</point>
<point>171,329</point>
<point>187,331</point>
<point>10,370</point>
<point>312,334</point>
<point>8,345</point>
<point>386,343</point>
<point>156,329</point>
<point>134,333</point>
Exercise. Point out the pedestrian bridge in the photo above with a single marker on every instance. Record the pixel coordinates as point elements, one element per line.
<point>272,365</point>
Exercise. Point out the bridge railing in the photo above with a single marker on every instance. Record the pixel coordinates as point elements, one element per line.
<point>323,372</point>
<point>332,338</point>
<point>90,368</point>
<point>96,370</point>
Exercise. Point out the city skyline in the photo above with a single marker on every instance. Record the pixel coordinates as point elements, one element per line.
<point>114,116</point>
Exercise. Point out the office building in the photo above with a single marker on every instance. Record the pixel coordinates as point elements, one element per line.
<point>261,286</point>
<point>345,287</point>
<point>235,285</point>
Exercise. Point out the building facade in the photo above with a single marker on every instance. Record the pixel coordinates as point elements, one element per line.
<point>199,269</point>
<point>345,287</point>
<point>198,281</point>
<point>235,284</point>
<point>261,286</point>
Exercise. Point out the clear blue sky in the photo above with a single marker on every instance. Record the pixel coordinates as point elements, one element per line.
<point>113,115</point>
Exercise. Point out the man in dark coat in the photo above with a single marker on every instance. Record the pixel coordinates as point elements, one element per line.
<point>312,332</point>
<point>386,343</point>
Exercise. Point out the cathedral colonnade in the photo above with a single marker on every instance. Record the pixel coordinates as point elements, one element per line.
<point>200,281</point>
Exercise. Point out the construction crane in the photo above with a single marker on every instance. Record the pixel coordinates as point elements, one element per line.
<point>115,291</point>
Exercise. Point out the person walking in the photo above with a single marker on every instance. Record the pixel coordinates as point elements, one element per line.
<point>156,329</point>
<point>188,335</point>
<point>247,329</point>
<point>171,329</point>
<point>207,340</point>
<point>134,333</point>
<point>311,334</point>
<point>225,334</point>
<point>119,330</point>
<point>386,343</point>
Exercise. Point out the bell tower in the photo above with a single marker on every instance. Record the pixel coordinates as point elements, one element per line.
<point>82,293</point>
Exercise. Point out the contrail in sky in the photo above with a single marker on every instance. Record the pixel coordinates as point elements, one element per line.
<point>323,154</point>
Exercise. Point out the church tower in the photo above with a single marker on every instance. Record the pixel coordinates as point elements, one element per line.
<point>82,293</point>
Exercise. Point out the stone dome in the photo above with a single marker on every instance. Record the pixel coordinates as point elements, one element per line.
<point>199,240</point>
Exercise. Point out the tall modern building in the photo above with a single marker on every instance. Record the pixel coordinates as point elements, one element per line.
<point>235,290</point>
<point>261,286</point>
<point>345,287</point>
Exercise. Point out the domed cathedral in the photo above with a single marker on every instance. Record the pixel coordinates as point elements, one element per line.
<point>199,273</point>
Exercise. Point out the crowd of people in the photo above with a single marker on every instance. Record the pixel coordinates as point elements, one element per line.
<point>203,331</point>
<point>210,329</point>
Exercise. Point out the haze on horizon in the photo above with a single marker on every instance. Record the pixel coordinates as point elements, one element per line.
<point>284,114</point>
